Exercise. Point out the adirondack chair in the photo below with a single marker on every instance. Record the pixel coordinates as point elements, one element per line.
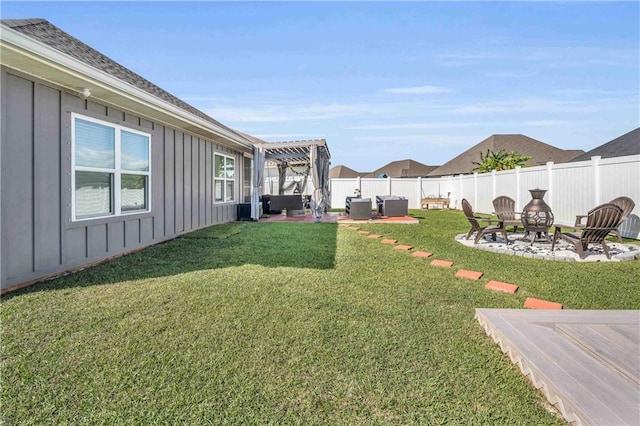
<point>601,220</point>
<point>505,208</point>
<point>482,230</point>
<point>625,203</point>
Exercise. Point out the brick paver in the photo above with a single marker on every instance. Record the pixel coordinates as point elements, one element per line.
<point>421,254</point>
<point>500,286</point>
<point>469,275</point>
<point>533,303</point>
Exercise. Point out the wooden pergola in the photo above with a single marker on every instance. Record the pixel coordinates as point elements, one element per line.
<point>285,155</point>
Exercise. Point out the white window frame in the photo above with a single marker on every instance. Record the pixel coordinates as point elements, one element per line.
<point>116,172</point>
<point>224,180</point>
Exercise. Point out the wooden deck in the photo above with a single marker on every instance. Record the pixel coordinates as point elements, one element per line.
<point>587,363</point>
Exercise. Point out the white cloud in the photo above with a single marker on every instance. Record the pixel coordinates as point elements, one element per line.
<point>544,57</point>
<point>465,59</point>
<point>546,123</point>
<point>286,112</point>
<point>418,90</point>
<point>416,126</point>
<point>414,141</point>
<point>589,92</point>
<point>275,137</point>
<point>528,106</point>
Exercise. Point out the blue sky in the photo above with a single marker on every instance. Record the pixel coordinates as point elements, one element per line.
<point>380,81</point>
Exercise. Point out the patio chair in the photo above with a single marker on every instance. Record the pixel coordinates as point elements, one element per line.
<point>601,220</point>
<point>625,203</point>
<point>505,208</point>
<point>482,230</point>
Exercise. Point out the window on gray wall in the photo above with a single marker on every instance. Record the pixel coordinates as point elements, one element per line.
<point>111,169</point>
<point>224,178</point>
<point>247,177</point>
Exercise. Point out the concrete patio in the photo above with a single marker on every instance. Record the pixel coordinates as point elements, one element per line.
<point>339,217</point>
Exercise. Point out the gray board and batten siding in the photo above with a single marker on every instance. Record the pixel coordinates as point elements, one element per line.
<point>39,237</point>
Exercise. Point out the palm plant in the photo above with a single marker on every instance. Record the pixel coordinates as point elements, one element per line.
<point>500,160</point>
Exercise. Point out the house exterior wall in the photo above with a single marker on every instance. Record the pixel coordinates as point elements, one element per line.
<point>38,235</point>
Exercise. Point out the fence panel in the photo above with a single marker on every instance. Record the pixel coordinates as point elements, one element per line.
<point>437,187</point>
<point>466,189</point>
<point>340,189</point>
<point>484,190</point>
<point>506,184</point>
<point>618,177</point>
<point>372,187</point>
<point>573,191</point>
<point>408,188</point>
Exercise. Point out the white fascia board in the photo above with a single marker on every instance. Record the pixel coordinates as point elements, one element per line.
<point>35,50</point>
<point>293,144</point>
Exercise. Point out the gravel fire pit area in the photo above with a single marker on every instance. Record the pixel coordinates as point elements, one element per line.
<point>519,245</point>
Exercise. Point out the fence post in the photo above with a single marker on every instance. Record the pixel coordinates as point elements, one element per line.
<point>419,192</point>
<point>595,167</point>
<point>518,187</point>
<point>451,189</point>
<point>550,182</point>
<point>475,190</point>
<point>493,184</point>
<point>358,184</point>
<point>461,195</point>
<point>389,185</point>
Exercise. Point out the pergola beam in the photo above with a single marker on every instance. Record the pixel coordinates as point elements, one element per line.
<point>284,156</point>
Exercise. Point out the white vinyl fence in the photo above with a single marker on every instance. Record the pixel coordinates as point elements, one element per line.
<point>572,188</point>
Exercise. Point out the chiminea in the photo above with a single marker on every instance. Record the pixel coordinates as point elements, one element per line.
<point>536,216</point>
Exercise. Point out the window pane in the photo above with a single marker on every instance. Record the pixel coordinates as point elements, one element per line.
<point>134,152</point>
<point>230,168</point>
<point>219,190</point>
<point>93,194</point>
<point>94,145</point>
<point>228,193</point>
<point>246,179</point>
<point>133,193</point>
<point>219,169</point>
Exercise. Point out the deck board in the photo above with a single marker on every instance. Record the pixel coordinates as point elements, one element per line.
<point>585,362</point>
<point>608,345</point>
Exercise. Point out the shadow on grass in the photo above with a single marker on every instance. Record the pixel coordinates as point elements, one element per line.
<point>272,245</point>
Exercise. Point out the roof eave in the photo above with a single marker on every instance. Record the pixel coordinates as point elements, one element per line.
<point>32,57</point>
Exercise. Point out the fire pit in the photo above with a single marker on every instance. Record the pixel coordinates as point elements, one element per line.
<point>537,217</point>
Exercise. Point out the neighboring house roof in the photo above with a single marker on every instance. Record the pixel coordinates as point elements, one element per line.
<point>540,153</point>
<point>48,34</point>
<point>627,144</point>
<point>403,168</point>
<point>341,171</point>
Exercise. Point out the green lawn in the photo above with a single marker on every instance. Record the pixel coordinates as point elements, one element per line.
<point>286,323</point>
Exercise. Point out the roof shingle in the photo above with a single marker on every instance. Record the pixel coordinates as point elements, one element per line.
<point>403,168</point>
<point>627,144</point>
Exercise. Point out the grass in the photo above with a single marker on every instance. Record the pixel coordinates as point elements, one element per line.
<point>285,323</point>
